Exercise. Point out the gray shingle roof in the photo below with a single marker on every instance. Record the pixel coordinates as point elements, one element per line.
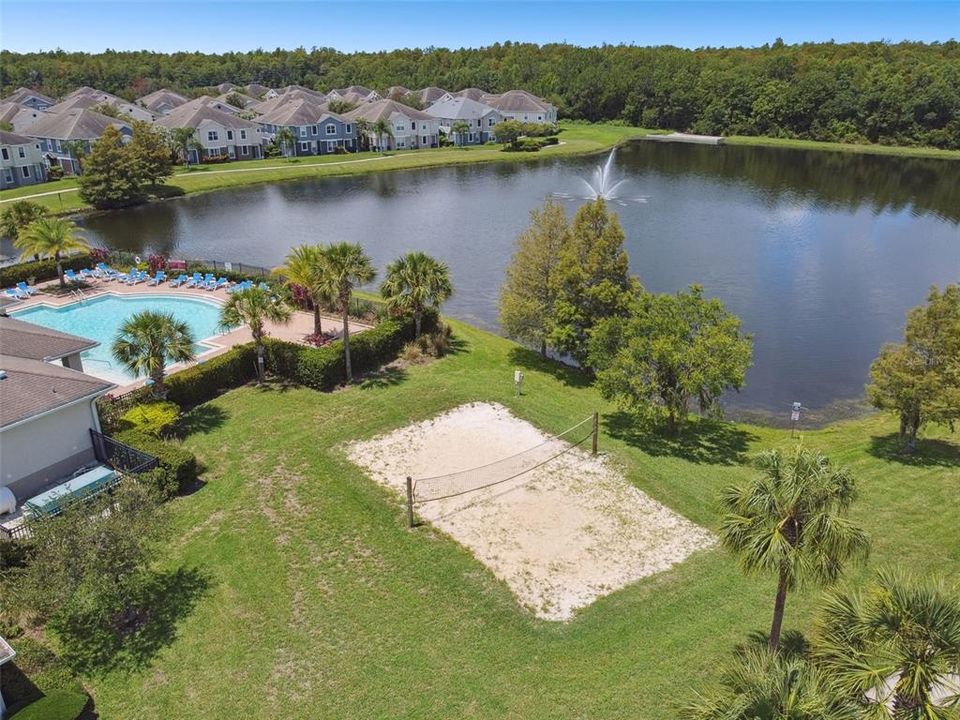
<point>9,138</point>
<point>431,94</point>
<point>385,109</point>
<point>295,112</point>
<point>36,342</point>
<point>22,93</point>
<point>33,387</point>
<point>516,101</point>
<point>472,93</point>
<point>459,108</point>
<point>160,100</point>
<point>192,114</point>
<point>76,124</point>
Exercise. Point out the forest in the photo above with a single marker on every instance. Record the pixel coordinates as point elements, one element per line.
<point>899,94</point>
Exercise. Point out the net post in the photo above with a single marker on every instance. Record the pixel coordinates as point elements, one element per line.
<point>596,430</point>
<point>409,501</point>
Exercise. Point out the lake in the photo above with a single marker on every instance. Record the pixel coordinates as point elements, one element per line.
<point>820,253</point>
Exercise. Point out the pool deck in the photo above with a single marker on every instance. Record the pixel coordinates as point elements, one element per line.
<point>300,326</point>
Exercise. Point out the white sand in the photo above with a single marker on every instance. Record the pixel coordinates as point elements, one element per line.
<point>561,535</point>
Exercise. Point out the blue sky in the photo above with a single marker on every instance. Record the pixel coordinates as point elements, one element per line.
<point>223,25</point>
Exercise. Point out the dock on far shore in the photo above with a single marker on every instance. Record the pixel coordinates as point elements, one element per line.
<point>687,138</point>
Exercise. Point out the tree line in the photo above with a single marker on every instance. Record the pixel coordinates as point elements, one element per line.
<point>905,93</point>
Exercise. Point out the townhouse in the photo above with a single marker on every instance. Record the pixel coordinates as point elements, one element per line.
<point>481,120</point>
<point>355,94</point>
<point>59,134</point>
<point>19,117</point>
<point>92,99</point>
<point>431,95</point>
<point>161,102</point>
<point>21,161</point>
<point>521,106</point>
<point>28,98</point>
<point>316,130</point>
<point>219,135</point>
<point>410,128</point>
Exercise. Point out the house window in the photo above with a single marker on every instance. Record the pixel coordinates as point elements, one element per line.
<point>243,134</point>
<point>229,134</point>
<point>491,122</point>
<point>401,143</point>
<point>26,171</point>
<point>413,124</point>
<point>213,152</point>
<point>331,146</point>
<point>424,140</point>
<point>6,155</point>
<point>303,131</point>
<point>21,152</point>
<point>212,136</point>
<point>348,129</point>
<point>331,129</point>
<point>304,147</point>
<point>244,150</point>
<point>313,129</point>
<point>400,128</point>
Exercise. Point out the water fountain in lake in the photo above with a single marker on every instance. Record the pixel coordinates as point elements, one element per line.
<point>602,185</point>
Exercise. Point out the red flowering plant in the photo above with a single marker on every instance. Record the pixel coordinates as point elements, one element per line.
<point>156,262</point>
<point>99,254</point>
<point>300,297</point>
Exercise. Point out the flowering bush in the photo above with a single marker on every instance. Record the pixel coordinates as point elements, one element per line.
<point>98,254</point>
<point>300,298</point>
<point>156,262</point>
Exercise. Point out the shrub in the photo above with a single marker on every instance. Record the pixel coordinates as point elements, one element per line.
<point>179,464</point>
<point>40,270</point>
<point>206,379</point>
<point>58,705</point>
<point>55,172</point>
<point>153,418</point>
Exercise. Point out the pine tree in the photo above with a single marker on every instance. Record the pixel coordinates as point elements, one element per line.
<point>529,291</point>
<point>592,280</point>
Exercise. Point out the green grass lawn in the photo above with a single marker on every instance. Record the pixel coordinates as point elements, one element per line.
<point>576,139</point>
<point>899,150</point>
<point>320,603</point>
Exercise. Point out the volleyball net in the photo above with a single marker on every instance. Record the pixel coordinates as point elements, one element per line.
<point>449,485</point>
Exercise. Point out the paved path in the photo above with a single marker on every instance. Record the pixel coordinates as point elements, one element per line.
<point>224,172</point>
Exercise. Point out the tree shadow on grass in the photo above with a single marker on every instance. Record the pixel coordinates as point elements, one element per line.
<point>928,453</point>
<point>202,419</point>
<point>383,378</point>
<point>165,191</point>
<point>701,441</point>
<point>93,645</point>
<point>567,374</point>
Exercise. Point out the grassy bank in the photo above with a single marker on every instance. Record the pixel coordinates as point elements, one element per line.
<point>576,139</point>
<point>896,150</point>
<point>317,602</point>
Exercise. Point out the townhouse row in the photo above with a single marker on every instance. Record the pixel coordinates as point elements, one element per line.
<point>238,123</point>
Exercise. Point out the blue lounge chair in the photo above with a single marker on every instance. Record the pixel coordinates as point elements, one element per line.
<point>178,281</point>
<point>15,294</point>
<point>88,274</point>
<point>137,277</point>
<point>105,272</point>
<point>70,275</point>
<point>218,284</point>
<point>160,277</point>
<point>24,288</point>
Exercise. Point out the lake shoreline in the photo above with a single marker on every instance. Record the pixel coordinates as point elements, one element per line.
<point>576,140</point>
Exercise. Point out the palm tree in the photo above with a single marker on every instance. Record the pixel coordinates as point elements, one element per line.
<point>50,237</point>
<point>382,129</point>
<point>19,215</point>
<point>347,266</point>
<point>893,647</point>
<point>363,133</point>
<point>762,684</point>
<point>792,520</point>
<point>459,129</point>
<point>255,307</point>
<point>183,140</point>
<point>285,137</point>
<point>148,340</point>
<point>77,150</point>
<point>416,282</point>
<point>305,267</point>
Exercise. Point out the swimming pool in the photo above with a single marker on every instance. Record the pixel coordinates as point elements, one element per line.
<point>100,318</point>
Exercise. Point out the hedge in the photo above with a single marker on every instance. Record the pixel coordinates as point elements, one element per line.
<point>208,378</point>
<point>40,270</point>
<point>179,465</point>
<point>324,368</point>
<point>58,705</point>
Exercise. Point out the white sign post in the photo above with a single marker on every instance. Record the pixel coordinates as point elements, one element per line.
<point>517,382</point>
<point>795,417</point>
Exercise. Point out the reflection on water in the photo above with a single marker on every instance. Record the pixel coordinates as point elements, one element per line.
<point>820,253</point>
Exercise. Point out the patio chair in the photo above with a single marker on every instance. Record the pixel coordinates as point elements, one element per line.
<point>88,274</point>
<point>195,280</point>
<point>24,288</point>
<point>137,277</point>
<point>15,294</point>
<point>218,284</point>
<point>70,275</point>
<point>105,272</point>
<point>178,281</point>
<point>125,277</point>
<point>160,277</point>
